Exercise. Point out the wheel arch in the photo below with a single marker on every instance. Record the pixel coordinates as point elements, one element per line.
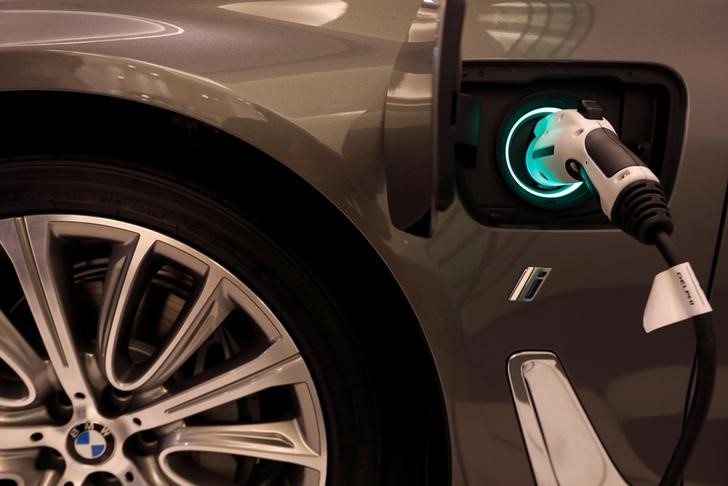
<point>124,125</point>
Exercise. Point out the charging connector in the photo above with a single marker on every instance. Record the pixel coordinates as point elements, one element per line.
<point>582,146</point>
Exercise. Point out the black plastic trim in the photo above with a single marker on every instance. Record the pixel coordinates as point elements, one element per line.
<point>608,152</point>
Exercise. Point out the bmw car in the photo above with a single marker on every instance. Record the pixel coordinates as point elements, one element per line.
<point>303,242</point>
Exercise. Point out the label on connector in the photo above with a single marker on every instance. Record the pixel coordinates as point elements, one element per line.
<point>675,296</point>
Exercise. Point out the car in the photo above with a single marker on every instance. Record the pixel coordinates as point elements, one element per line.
<point>303,242</point>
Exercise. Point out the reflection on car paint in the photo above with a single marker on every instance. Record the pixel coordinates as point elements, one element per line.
<point>70,27</point>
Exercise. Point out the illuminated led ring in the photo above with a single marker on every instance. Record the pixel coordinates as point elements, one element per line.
<point>568,188</point>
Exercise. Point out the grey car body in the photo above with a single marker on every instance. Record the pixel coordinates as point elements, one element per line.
<point>305,82</point>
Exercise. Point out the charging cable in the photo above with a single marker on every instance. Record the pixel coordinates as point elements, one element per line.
<point>581,145</point>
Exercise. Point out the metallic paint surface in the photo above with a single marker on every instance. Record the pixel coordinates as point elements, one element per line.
<point>306,82</point>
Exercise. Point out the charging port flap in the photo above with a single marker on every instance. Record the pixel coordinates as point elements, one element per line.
<point>421,117</point>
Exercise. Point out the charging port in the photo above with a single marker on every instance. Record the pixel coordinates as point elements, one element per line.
<point>516,133</point>
<point>645,103</point>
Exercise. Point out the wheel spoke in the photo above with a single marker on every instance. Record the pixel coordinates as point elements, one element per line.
<point>276,441</point>
<point>26,243</point>
<point>123,288</point>
<point>19,467</point>
<point>49,477</point>
<point>145,468</point>
<point>24,436</point>
<point>206,313</point>
<point>130,474</point>
<point>208,309</point>
<point>274,367</point>
<point>37,414</point>
<point>22,358</point>
<point>124,270</point>
<point>72,475</point>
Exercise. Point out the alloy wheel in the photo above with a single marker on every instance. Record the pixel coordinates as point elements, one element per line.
<point>128,357</point>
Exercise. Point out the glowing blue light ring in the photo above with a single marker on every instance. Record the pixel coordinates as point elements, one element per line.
<point>568,189</point>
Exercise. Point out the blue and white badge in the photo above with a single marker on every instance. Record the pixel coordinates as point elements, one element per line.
<point>90,442</point>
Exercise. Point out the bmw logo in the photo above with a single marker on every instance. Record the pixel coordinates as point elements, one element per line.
<point>90,443</point>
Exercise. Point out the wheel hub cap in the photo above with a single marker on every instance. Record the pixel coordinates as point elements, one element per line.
<point>90,443</point>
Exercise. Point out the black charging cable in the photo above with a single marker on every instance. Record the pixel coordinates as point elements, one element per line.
<point>641,211</point>
<point>581,145</point>
<point>704,378</point>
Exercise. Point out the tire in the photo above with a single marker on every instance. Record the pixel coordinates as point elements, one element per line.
<point>314,321</point>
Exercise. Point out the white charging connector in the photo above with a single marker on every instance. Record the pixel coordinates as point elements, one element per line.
<point>570,141</point>
<point>581,145</point>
